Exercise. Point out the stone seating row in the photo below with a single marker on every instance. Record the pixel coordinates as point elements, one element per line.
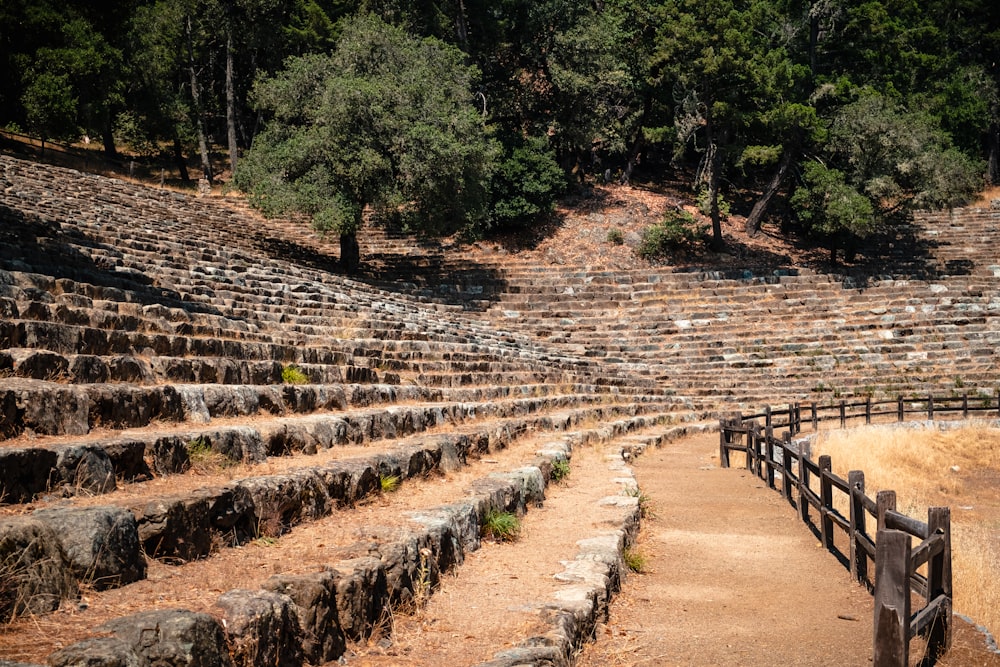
<point>515,491</point>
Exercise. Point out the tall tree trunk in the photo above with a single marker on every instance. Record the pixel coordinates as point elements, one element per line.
<point>108,135</point>
<point>350,253</point>
<point>179,159</point>
<point>994,154</point>
<point>231,106</point>
<point>206,165</point>
<point>462,28</point>
<point>757,213</point>
<point>714,165</point>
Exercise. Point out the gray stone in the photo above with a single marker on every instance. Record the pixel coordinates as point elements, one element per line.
<point>173,638</point>
<point>101,544</point>
<point>85,469</point>
<point>97,652</point>
<point>262,627</point>
<point>55,410</point>
<point>177,529</point>
<point>315,598</point>
<point>36,568</point>
<point>362,597</point>
<point>26,472</point>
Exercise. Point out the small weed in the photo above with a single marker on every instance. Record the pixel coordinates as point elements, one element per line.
<point>560,470</point>
<point>389,483</point>
<point>959,382</point>
<point>645,503</point>
<point>292,374</point>
<point>422,585</point>
<point>676,230</point>
<point>634,560</point>
<point>615,236</point>
<point>204,459</point>
<point>501,526</point>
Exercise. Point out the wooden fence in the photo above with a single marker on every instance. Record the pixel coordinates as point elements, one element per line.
<point>876,533</point>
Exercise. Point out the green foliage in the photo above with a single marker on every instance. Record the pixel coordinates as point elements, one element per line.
<point>705,203</point>
<point>386,122</point>
<point>389,483</point>
<point>501,526</point>
<point>615,236</point>
<point>292,374</point>
<point>525,184</point>
<point>677,230</point>
<point>645,502</point>
<point>634,559</point>
<point>560,470</point>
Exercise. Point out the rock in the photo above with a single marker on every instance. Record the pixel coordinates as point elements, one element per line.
<point>315,599</point>
<point>26,472</point>
<point>101,544</point>
<point>361,595</point>
<point>177,528</point>
<point>89,369</point>
<point>36,569</point>
<point>55,410</point>
<point>173,638</point>
<point>11,416</point>
<point>263,628</point>
<point>85,469</point>
<point>98,652</point>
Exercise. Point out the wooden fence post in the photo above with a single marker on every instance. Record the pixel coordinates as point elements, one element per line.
<point>769,455</point>
<point>939,581</point>
<point>815,417</point>
<point>753,442</point>
<point>868,410</point>
<point>843,413</point>
<point>767,416</point>
<point>884,501</point>
<point>965,406</point>
<point>724,435</point>
<point>803,482</point>
<point>899,409</point>
<point>786,464</point>
<point>930,408</point>
<point>859,559</point>
<point>826,500</point>
<point>891,640</point>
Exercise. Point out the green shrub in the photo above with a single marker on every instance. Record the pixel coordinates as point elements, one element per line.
<point>526,183</point>
<point>293,375</point>
<point>501,526</point>
<point>615,236</point>
<point>676,230</point>
<point>389,483</point>
<point>634,560</point>
<point>560,470</point>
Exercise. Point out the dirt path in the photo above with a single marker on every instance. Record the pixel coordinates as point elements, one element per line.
<point>733,577</point>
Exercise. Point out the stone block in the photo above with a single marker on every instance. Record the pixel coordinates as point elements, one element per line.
<point>315,598</point>
<point>26,471</point>
<point>173,638</point>
<point>262,627</point>
<point>37,572</point>
<point>97,652</point>
<point>100,543</point>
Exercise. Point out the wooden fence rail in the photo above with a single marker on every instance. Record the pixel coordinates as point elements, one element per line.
<point>900,569</point>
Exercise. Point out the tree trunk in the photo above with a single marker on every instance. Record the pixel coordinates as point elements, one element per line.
<point>462,28</point>
<point>179,159</point>
<point>350,253</point>
<point>206,165</point>
<point>714,166</point>
<point>757,213</point>
<point>231,107</point>
<point>994,154</point>
<point>108,135</point>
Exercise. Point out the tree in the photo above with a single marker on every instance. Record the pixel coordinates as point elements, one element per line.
<point>881,162</point>
<point>386,122</point>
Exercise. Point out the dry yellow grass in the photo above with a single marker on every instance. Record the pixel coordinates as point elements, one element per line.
<point>927,467</point>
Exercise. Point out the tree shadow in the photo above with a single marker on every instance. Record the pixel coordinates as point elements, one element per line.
<point>32,245</point>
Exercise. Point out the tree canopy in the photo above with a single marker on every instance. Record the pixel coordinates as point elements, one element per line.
<point>850,113</point>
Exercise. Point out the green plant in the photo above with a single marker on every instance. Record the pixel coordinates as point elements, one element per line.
<point>292,374</point>
<point>645,503</point>
<point>615,236</point>
<point>204,459</point>
<point>389,483</point>
<point>560,470</point>
<point>676,230</point>
<point>634,560</point>
<point>501,526</point>
<point>704,202</point>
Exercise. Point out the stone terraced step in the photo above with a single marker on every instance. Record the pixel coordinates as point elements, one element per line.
<point>370,557</point>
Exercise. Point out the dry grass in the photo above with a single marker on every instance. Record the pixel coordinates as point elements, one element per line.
<point>958,468</point>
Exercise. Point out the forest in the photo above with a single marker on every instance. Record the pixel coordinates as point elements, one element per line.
<point>833,117</point>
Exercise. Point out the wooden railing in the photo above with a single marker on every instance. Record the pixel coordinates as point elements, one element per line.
<point>900,569</point>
